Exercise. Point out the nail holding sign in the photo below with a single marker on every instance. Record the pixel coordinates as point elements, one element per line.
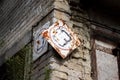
<point>60,36</point>
<point>40,45</point>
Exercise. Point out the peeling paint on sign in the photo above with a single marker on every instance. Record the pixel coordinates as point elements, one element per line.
<point>40,44</point>
<point>61,38</point>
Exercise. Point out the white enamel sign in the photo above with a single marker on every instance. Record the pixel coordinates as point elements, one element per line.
<point>40,45</point>
<point>61,38</point>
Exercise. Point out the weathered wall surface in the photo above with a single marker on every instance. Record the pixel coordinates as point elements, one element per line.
<point>16,23</point>
<point>16,20</point>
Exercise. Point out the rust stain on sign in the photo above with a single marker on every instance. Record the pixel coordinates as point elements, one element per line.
<point>60,36</point>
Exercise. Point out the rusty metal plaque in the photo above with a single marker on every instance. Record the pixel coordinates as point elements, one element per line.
<point>40,45</point>
<point>60,36</point>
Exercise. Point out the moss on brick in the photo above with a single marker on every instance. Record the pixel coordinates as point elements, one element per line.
<point>47,73</point>
<point>15,66</point>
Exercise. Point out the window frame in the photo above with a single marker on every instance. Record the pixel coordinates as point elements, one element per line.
<point>103,34</point>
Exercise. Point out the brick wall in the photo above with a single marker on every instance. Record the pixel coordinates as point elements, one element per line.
<point>77,65</point>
